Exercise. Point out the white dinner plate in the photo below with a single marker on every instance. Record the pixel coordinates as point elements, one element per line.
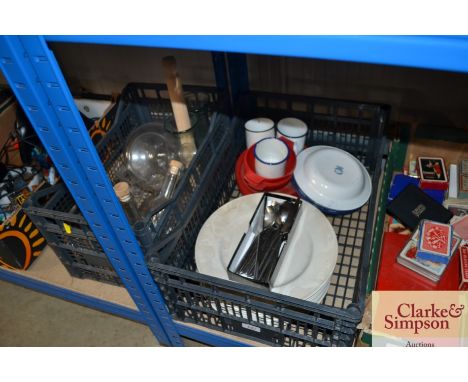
<point>332,178</point>
<point>308,264</point>
<point>321,293</point>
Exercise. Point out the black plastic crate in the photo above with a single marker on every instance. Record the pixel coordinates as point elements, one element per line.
<point>55,214</point>
<point>62,223</point>
<point>86,264</point>
<point>198,98</point>
<point>261,315</point>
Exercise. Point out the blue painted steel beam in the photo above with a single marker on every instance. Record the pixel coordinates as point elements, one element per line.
<point>69,295</point>
<point>39,86</point>
<point>430,52</point>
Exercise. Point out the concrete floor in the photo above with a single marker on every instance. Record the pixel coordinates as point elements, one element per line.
<point>29,318</point>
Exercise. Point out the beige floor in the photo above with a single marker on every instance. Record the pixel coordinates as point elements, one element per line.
<point>29,318</point>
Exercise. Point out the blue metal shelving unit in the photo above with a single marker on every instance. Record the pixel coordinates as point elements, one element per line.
<point>429,52</point>
<point>38,83</point>
<point>39,86</point>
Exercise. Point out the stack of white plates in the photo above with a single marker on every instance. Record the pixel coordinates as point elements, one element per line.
<point>308,265</point>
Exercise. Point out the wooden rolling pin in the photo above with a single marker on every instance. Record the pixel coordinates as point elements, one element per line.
<point>179,108</point>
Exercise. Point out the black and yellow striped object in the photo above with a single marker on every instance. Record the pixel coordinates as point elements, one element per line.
<point>20,242</point>
<point>99,129</point>
<point>103,125</point>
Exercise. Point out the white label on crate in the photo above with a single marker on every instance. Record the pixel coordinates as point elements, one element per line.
<point>251,327</point>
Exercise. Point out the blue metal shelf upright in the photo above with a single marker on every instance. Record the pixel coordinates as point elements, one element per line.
<point>35,77</point>
<point>39,86</point>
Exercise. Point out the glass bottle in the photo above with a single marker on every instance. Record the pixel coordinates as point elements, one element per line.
<point>122,190</point>
<point>152,204</point>
<point>170,182</point>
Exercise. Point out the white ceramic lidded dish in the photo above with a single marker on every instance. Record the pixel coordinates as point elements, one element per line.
<point>295,130</point>
<point>332,179</point>
<point>271,156</point>
<point>257,129</point>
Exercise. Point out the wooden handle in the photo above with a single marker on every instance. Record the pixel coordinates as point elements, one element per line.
<point>176,94</point>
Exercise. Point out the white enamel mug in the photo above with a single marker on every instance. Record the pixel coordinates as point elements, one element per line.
<point>271,155</point>
<point>295,130</point>
<point>257,129</point>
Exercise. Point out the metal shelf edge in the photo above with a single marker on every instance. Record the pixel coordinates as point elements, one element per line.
<point>72,296</point>
<point>428,52</point>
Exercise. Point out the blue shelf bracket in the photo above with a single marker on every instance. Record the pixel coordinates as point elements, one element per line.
<point>40,87</point>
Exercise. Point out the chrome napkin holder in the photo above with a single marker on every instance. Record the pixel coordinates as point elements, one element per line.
<point>261,251</point>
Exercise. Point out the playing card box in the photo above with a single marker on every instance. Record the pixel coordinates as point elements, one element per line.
<point>429,269</point>
<point>435,242</point>
<point>463,181</point>
<point>457,207</point>
<point>460,227</point>
<point>463,267</point>
<point>432,173</point>
<point>407,258</point>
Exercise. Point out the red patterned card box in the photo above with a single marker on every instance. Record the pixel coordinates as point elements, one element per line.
<point>461,227</point>
<point>435,241</point>
<point>464,267</point>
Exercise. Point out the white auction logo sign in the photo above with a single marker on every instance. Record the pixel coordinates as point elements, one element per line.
<point>410,318</point>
